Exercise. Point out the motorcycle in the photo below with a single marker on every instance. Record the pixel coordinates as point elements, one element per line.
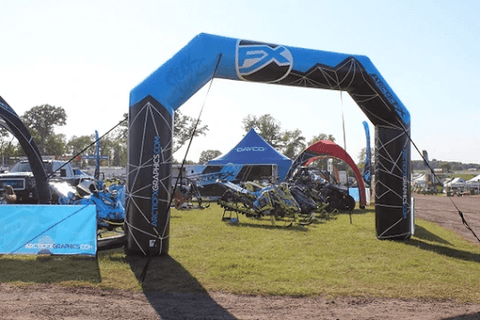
<point>282,201</point>
<point>329,196</point>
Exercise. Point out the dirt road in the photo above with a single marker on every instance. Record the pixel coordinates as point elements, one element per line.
<point>46,301</point>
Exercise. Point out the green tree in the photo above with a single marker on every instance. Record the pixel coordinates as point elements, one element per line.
<point>268,128</point>
<point>7,147</point>
<point>41,121</point>
<point>105,148</point>
<point>183,128</point>
<point>55,144</point>
<point>77,144</point>
<point>290,143</point>
<point>361,159</point>
<point>119,155</point>
<point>208,155</point>
<point>121,132</point>
<point>295,143</point>
<point>320,137</point>
<point>362,156</point>
<point>446,166</point>
<point>119,138</point>
<point>115,144</point>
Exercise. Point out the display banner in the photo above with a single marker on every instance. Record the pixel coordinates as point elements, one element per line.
<point>48,229</point>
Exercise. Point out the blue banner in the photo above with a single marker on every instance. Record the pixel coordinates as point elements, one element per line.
<point>48,229</point>
<point>368,156</point>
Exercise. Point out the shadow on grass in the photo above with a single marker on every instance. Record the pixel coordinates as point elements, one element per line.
<point>173,292</point>
<point>424,234</point>
<point>49,269</point>
<point>446,251</point>
<point>277,226</point>
<point>357,211</point>
<point>280,223</point>
<point>353,213</point>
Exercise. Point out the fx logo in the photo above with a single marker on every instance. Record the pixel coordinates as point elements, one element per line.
<point>262,62</point>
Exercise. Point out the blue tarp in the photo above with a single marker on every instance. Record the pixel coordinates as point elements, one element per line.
<point>353,192</point>
<point>48,229</point>
<point>253,149</point>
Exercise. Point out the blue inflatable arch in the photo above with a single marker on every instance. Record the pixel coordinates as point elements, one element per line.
<point>154,101</point>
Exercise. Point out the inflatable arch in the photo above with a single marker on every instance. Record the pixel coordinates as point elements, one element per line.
<point>327,148</point>
<point>153,102</point>
<point>12,122</point>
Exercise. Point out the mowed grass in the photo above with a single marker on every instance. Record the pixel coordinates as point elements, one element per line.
<point>332,257</point>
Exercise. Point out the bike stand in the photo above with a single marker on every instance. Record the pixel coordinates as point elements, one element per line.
<point>233,220</point>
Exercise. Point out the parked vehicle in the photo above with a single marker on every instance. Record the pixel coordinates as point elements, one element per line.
<point>282,201</point>
<point>22,180</point>
<point>333,195</point>
<point>109,200</point>
<point>295,200</point>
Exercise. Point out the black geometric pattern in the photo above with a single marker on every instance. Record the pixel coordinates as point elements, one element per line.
<point>366,90</point>
<point>148,180</point>
<point>392,182</point>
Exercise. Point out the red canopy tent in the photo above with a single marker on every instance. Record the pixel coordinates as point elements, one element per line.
<point>327,148</point>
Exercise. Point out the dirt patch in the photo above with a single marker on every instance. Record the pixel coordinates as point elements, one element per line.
<point>45,301</point>
<point>42,301</point>
<point>444,212</point>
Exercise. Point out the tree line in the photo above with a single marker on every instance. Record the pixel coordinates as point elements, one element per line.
<point>288,142</point>
<point>446,166</point>
<point>42,121</point>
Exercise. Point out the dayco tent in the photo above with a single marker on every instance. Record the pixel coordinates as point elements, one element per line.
<point>253,149</point>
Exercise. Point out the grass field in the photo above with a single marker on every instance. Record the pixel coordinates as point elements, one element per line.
<point>331,257</point>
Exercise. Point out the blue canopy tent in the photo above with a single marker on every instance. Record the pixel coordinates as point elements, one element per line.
<point>253,149</point>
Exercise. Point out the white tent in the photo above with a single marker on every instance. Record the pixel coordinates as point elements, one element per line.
<point>455,183</point>
<point>419,180</point>
<point>474,182</point>
<point>474,179</point>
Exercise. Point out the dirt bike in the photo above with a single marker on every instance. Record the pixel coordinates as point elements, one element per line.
<point>284,201</point>
<point>327,195</point>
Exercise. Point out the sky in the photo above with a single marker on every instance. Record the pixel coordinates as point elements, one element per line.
<point>86,56</point>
